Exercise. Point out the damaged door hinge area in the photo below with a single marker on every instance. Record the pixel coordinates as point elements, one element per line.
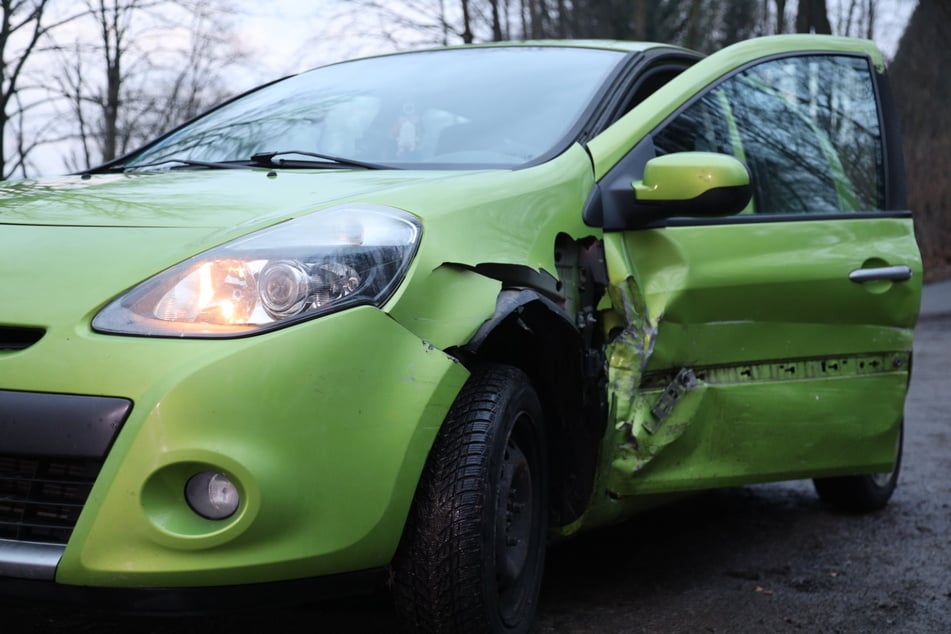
<point>629,347</point>
<point>638,434</point>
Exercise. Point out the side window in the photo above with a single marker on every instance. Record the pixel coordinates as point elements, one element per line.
<point>807,127</point>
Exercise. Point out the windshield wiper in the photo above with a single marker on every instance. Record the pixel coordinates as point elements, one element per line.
<point>183,163</point>
<point>269,159</point>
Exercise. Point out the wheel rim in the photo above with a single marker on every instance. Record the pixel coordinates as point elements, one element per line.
<point>514,528</point>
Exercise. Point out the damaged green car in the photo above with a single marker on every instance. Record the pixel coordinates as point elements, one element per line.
<point>409,317</point>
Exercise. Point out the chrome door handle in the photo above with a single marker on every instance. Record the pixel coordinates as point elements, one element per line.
<point>889,273</point>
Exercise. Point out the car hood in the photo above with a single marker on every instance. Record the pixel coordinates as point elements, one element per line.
<point>71,244</point>
<point>199,199</point>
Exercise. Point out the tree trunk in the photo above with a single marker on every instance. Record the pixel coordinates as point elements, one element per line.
<point>496,22</point>
<point>466,23</point>
<point>922,95</point>
<point>780,16</point>
<point>112,42</point>
<point>17,18</point>
<point>693,24</point>
<point>640,20</point>
<point>813,17</point>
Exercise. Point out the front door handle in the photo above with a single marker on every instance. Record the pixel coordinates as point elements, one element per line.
<point>887,273</point>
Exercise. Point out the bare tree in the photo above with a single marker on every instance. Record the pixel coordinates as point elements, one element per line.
<point>702,24</point>
<point>151,65</point>
<point>922,93</point>
<point>856,18</point>
<point>411,22</point>
<point>24,25</point>
<point>68,83</point>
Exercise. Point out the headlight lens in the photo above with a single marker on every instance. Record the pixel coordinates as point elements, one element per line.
<point>297,270</point>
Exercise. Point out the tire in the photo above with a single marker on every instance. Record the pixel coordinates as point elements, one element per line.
<point>862,493</point>
<point>473,549</point>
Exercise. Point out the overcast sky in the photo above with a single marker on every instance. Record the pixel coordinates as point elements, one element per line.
<point>295,35</point>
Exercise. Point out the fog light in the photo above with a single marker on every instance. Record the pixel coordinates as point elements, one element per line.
<point>212,495</point>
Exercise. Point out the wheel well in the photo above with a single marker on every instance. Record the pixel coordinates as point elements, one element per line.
<point>568,376</point>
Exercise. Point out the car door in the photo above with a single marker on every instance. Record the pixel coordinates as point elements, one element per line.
<point>774,343</point>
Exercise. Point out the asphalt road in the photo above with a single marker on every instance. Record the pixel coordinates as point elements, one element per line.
<point>766,558</point>
<point>771,558</point>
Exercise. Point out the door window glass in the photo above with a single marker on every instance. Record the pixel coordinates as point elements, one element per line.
<point>807,127</point>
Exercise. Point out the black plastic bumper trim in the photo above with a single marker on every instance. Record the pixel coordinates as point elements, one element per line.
<point>145,601</point>
<point>37,423</point>
<point>14,338</point>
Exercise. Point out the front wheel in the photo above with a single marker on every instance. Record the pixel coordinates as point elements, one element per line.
<point>473,550</point>
<point>862,493</point>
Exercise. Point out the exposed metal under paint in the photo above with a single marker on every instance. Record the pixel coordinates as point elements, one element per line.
<point>628,352</point>
<point>641,434</point>
<point>685,381</point>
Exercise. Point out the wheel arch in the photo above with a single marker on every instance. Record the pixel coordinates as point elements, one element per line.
<point>531,332</point>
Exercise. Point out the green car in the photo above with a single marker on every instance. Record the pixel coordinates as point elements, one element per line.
<point>411,317</point>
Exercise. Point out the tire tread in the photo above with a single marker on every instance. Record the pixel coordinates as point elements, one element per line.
<point>438,564</point>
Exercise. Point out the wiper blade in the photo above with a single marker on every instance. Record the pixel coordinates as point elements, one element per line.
<point>183,163</point>
<point>268,159</point>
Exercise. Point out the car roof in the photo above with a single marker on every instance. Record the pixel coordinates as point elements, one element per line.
<point>622,46</point>
<point>615,45</point>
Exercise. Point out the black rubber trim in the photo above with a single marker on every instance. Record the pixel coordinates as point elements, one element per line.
<point>13,338</point>
<point>42,424</point>
<point>510,302</point>
<point>609,204</point>
<point>896,197</point>
<point>760,218</point>
<point>641,68</point>
<point>199,600</point>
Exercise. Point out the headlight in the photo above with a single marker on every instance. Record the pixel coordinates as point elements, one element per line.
<point>309,266</point>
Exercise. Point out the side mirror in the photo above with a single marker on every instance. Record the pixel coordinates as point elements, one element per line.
<point>696,184</point>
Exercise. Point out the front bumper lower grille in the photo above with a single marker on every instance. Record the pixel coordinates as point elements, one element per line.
<point>52,447</point>
<point>41,498</point>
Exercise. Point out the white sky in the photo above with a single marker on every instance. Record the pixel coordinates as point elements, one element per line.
<point>295,35</point>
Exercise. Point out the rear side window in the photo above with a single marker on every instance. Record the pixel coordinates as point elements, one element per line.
<point>807,127</point>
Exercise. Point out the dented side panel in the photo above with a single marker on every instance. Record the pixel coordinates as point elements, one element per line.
<point>744,353</point>
<point>453,314</point>
<point>733,293</point>
<point>729,434</point>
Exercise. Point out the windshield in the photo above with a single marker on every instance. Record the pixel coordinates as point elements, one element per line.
<point>470,106</point>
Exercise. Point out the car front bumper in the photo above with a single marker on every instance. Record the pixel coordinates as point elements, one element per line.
<point>324,427</point>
